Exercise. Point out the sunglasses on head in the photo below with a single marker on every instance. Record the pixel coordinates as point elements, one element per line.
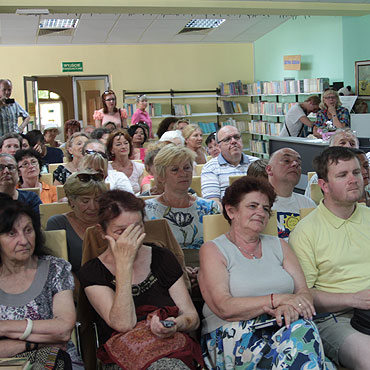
<point>91,151</point>
<point>86,177</point>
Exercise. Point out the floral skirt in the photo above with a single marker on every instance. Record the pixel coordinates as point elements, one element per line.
<point>238,346</point>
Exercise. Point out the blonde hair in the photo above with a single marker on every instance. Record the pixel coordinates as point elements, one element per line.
<point>172,155</point>
<point>176,125</point>
<point>95,162</point>
<point>189,129</point>
<point>325,94</point>
<point>74,187</point>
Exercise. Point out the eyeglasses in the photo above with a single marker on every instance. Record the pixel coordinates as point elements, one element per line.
<point>10,167</point>
<point>227,140</point>
<point>33,163</point>
<point>86,177</point>
<point>91,151</point>
<point>330,97</point>
<point>111,99</point>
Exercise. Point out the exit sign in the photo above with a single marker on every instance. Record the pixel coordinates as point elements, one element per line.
<point>72,67</point>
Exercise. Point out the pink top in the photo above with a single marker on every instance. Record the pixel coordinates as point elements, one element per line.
<point>146,180</point>
<point>143,116</point>
<point>115,118</point>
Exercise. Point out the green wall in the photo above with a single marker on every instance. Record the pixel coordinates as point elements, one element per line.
<point>356,45</point>
<point>319,41</point>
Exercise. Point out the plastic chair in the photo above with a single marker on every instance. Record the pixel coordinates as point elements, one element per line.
<point>51,209</point>
<point>34,190</point>
<point>60,192</point>
<point>234,178</point>
<point>56,243</point>
<point>309,175</point>
<point>196,185</point>
<point>47,178</point>
<point>304,212</point>
<point>198,169</point>
<point>216,225</point>
<point>316,193</point>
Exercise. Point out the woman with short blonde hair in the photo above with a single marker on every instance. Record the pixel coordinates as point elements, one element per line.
<point>193,136</point>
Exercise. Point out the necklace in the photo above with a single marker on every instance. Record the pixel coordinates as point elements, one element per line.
<point>254,257</point>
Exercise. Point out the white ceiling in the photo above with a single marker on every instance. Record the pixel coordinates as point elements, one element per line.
<point>145,28</point>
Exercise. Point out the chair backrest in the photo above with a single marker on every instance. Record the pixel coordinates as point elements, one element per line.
<point>198,169</point>
<point>309,175</point>
<point>60,192</point>
<point>216,225</point>
<point>145,197</point>
<point>316,193</point>
<point>47,178</point>
<point>54,166</point>
<point>51,209</point>
<point>196,185</point>
<point>234,178</point>
<point>56,243</point>
<point>209,157</point>
<point>34,190</point>
<point>303,212</point>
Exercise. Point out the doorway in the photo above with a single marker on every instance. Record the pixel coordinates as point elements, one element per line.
<point>76,98</point>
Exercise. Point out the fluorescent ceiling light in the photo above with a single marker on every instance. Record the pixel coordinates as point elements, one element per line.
<point>32,11</point>
<point>51,24</point>
<point>204,23</point>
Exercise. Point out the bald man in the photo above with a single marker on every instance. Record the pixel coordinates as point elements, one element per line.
<point>284,172</point>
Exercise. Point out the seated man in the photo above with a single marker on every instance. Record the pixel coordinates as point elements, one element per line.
<point>342,137</point>
<point>10,143</point>
<point>48,154</point>
<point>284,172</point>
<point>9,179</point>
<point>332,246</point>
<point>230,162</point>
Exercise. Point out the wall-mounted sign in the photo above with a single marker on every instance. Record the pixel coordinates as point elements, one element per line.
<point>292,62</point>
<point>72,67</point>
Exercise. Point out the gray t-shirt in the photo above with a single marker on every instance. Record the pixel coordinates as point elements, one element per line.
<point>251,277</point>
<point>292,121</point>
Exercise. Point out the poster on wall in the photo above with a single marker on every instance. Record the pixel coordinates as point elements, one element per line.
<point>362,72</point>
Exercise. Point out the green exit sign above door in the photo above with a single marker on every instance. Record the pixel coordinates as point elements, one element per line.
<point>72,67</point>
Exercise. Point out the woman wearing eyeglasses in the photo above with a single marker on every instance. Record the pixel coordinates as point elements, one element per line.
<point>110,112</point>
<point>95,158</point>
<point>141,115</point>
<point>82,190</point>
<point>331,114</point>
<point>29,165</point>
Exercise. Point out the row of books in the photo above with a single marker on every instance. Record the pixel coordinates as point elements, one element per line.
<point>269,108</point>
<point>242,126</point>
<point>182,109</point>
<point>208,127</point>
<point>258,146</point>
<point>154,109</point>
<point>233,88</point>
<point>265,128</point>
<point>307,85</point>
<point>228,106</point>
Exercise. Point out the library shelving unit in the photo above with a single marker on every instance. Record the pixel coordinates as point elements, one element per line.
<point>207,108</point>
<point>270,101</point>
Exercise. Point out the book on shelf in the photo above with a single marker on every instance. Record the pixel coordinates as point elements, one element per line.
<point>155,109</point>
<point>242,126</point>
<point>229,107</point>
<point>307,85</point>
<point>265,127</point>
<point>259,146</point>
<point>269,108</point>
<point>208,127</point>
<point>233,88</point>
<point>131,108</point>
<point>182,109</point>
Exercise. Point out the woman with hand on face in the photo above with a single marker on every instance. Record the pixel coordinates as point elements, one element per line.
<point>36,305</point>
<point>119,147</point>
<point>331,115</point>
<point>29,165</point>
<point>139,134</point>
<point>134,286</point>
<point>50,133</point>
<point>141,115</point>
<point>74,154</point>
<point>247,278</point>
<point>110,112</point>
<point>82,190</point>
<point>193,136</point>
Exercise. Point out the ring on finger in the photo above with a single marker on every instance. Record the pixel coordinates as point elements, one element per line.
<point>299,304</point>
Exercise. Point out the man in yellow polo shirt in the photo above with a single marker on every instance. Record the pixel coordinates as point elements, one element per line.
<point>333,246</point>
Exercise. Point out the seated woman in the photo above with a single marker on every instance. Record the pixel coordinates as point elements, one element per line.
<point>193,136</point>
<point>184,212</point>
<point>331,115</point>
<point>82,190</point>
<point>365,171</point>
<point>74,154</point>
<point>139,135</point>
<point>213,149</point>
<point>36,305</point>
<point>246,278</point>
<point>119,147</point>
<point>29,166</point>
<point>130,280</point>
<point>95,158</point>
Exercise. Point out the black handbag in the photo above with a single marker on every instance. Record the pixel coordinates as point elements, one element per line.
<point>361,320</point>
